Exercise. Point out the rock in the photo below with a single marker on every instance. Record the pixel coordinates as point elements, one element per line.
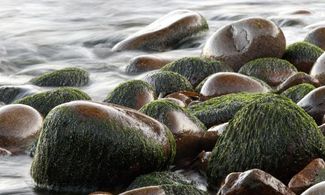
<point>297,92</point>
<point>221,109</point>
<point>100,193</point>
<point>146,63</point>
<point>133,94</point>
<point>45,101</point>
<point>303,55</point>
<point>307,177</point>
<point>318,69</point>
<point>185,96</point>
<point>318,189</point>
<point>73,77</point>
<point>316,37</point>
<point>225,83</point>
<point>196,69</point>
<point>201,162</point>
<point>166,190</point>
<point>115,145</point>
<point>166,32</point>
<point>273,71</point>
<point>10,93</point>
<point>186,128</point>
<point>253,182</point>
<point>296,79</point>
<point>271,133</point>
<point>166,82</point>
<point>175,101</point>
<point>4,152</point>
<point>322,128</point>
<point>19,127</point>
<point>245,40</point>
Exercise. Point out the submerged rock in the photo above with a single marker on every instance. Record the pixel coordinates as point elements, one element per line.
<point>19,127</point>
<point>317,37</point>
<point>271,133</point>
<point>45,101</point>
<point>296,93</point>
<point>4,152</point>
<point>196,69</point>
<point>10,93</point>
<point>318,69</point>
<point>73,77</point>
<point>133,94</point>
<point>114,146</point>
<point>166,32</point>
<point>273,71</point>
<point>146,63</point>
<point>303,55</point>
<point>296,79</point>
<point>245,40</point>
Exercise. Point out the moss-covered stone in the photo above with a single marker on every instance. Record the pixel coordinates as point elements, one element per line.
<point>166,82</point>
<point>271,70</point>
<point>196,69</point>
<point>98,146</point>
<point>133,94</point>
<point>8,93</point>
<point>74,77</point>
<point>272,134</point>
<point>166,190</point>
<point>45,101</point>
<point>221,109</point>
<point>296,93</point>
<point>303,55</point>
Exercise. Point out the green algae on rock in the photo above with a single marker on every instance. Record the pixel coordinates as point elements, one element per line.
<point>98,146</point>
<point>272,134</point>
<point>196,69</point>
<point>303,55</point>
<point>166,190</point>
<point>45,101</point>
<point>10,93</point>
<point>133,94</point>
<point>166,82</point>
<point>296,93</point>
<point>69,77</point>
<point>221,109</point>
<point>271,70</point>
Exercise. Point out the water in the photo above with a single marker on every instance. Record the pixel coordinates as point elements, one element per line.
<point>43,35</point>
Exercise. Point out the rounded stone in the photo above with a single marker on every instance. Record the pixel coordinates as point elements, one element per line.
<point>114,146</point>
<point>303,55</point>
<point>225,83</point>
<point>273,71</point>
<point>317,37</point>
<point>196,69</point>
<point>44,102</point>
<point>317,189</point>
<point>166,82</point>
<point>185,96</point>
<point>73,77</point>
<point>133,94</point>
<point>146,63</point>
<point>296,93</point>
<point>318,69</point>
<point>166,190</point>
<point>166,32</point>
<point>296,79</point>
<point>245,40</point>
<point>277,137</point>
<point>19,127</point>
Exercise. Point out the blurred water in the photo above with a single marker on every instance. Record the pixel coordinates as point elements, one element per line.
<point>43,35</point>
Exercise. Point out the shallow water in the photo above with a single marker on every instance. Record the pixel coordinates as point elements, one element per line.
<point>43,35</point>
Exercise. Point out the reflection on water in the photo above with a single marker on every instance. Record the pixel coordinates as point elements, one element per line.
<point>43,35</point>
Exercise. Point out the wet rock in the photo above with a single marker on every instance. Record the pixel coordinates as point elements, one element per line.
<point>115,145</point>
<point>100,193</point>
<point>225,83</point>
<point>301,12</point>
<point>166,190</point>
<point>166,32</point>
<point>212,135</point>
<point>245,40</point>
<point>196,69</point>
<point>73,77</point>
<point>185,96</point>
<point>221,109</point>
<point>322,128</point>
<point>303,55</point>
<point>166,82</point>
<point>201,162</point>
<point>317,37</point>
<point>45,101</point>
<point>133,94</point>
<point>10,93</point>
<point>297,92</point>
<point>4,152</point>
<point>307,177</point>
<point>314,103</point>
<point>273,138</point>
<point>318,69</point>
<point>19,127</point>
<point>186,128</point>
<point>296,79</point>
<point>318,189</point>
<point>176,101</point>
<point>273,71</point>
<point>146,63</point>
<point>253,182</point>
